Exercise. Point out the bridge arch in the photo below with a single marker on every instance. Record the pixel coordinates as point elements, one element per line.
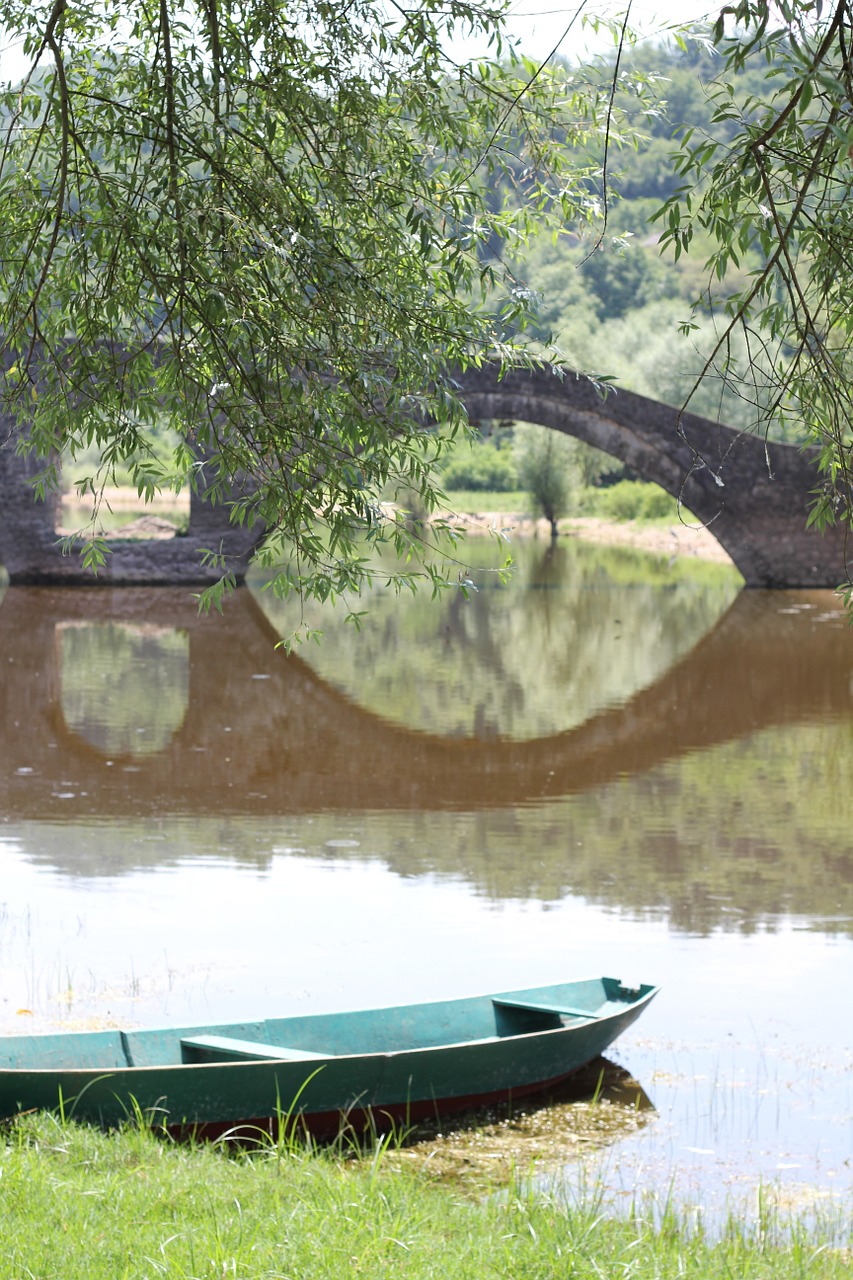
<point>32,554</point>
<point>752,495</point>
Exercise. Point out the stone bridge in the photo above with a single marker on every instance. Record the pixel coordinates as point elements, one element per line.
<point>753,496</point>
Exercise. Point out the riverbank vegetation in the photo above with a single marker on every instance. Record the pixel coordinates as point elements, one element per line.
<point>534,471</point>
<point>86,1205</point>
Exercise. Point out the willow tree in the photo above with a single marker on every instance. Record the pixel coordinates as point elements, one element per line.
<point>273,228</point>
<point>776,196</point>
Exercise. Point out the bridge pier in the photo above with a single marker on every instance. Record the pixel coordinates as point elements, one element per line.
<point>31,549</point>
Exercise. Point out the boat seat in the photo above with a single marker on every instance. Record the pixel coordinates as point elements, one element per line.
<point>542,1006</point>
<point>224,1048</point>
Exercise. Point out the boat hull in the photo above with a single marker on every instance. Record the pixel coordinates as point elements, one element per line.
<point>531,1046</point>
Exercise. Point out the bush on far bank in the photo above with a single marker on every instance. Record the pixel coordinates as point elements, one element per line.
<point>633,500</point>
<point>480,468</point>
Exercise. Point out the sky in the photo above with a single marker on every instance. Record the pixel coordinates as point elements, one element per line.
<point>540,26</point>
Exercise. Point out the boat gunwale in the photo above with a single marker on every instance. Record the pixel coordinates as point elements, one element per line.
<point>595,1020</point>
<point>431,1003</point>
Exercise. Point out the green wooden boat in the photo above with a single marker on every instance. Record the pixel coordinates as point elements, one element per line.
<point>371,1066</point>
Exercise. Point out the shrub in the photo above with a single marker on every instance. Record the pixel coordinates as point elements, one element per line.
<point>479,467</point>
<point>636,500</point>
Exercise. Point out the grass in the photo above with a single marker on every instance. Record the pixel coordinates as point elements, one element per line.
<point>76,1202</point>
<point>646,504</point>
<point>473,501</point>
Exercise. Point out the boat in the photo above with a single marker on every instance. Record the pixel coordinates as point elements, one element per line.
<point>371,1067</point>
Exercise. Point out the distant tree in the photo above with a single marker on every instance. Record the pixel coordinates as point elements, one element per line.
<point>608,278</point>
<point>545,462</point>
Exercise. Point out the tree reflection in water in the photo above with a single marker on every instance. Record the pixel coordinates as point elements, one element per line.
<point>575,630</point>
<point>124,687</point>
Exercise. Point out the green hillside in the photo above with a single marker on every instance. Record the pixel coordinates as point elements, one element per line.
<point>612,303</point>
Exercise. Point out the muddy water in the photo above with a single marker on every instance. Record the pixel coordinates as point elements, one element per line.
<point>610,765</point>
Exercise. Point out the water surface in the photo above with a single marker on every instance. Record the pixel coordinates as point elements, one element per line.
<point>611,765</point>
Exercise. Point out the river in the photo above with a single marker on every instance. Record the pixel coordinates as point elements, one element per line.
<point>611,764</point>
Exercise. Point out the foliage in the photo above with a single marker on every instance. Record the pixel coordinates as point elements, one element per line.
<point>778,192</point>
<point>480,466</point>
<point>270,229</point>
<point>649,354</point>
<point>611,303</point>
<point>633,500</point>
<point>678,74</point>
<point>160,446</point>
<point>595,468</point>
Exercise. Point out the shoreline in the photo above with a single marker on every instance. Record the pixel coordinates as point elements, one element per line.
<point>674,539</point>
<point>665,540</point>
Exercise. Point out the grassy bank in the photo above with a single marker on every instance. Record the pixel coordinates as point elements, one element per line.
<point>75,1202</point>
<point>628,500</point>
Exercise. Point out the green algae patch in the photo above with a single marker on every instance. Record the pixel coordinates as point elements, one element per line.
<point>489,1148</point>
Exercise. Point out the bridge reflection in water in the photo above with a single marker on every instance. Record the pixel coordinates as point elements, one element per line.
<point>236,727</point>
